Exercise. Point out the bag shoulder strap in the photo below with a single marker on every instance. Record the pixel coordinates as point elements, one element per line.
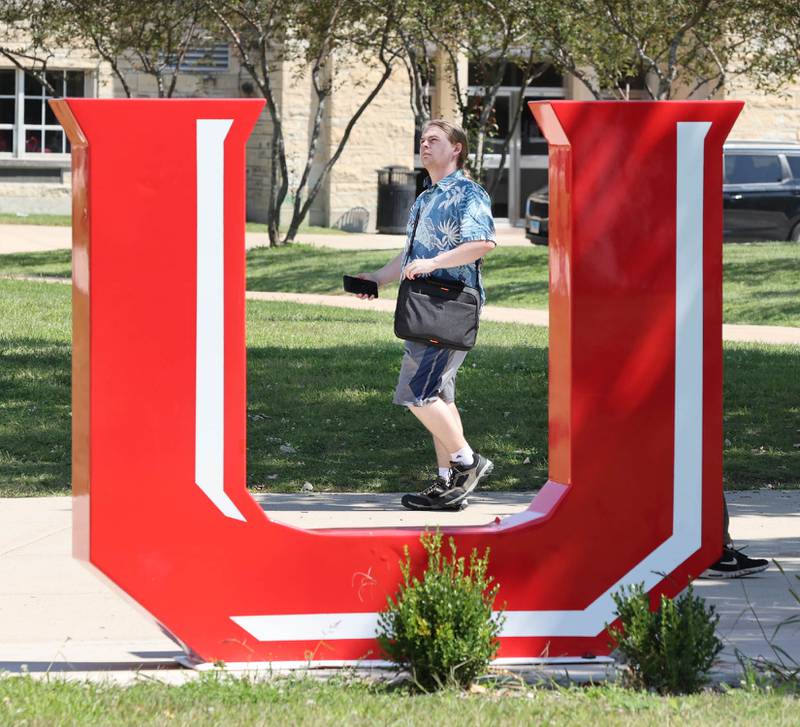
<point>414,234</point>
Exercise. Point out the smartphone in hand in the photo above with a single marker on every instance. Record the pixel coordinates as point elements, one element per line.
<point>359,286</point>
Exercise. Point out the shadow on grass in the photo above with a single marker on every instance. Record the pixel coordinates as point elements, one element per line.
<point>297,268</point>
<point>34,417</point>
<point>332,407</point>
<point>761,284</point>
<point>56,263</point>
<point>756,271</point>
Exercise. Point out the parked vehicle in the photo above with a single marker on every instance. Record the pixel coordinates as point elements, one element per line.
<point>760,193</point>
<point>537,212</point>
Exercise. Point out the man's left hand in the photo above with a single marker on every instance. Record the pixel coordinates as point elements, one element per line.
<point>422,266</point>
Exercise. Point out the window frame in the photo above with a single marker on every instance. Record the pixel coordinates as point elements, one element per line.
<point>13,125</point>
<point>19,128</point>
<point>782,164</point>
<point>193,56</point>
<point>795,175</point>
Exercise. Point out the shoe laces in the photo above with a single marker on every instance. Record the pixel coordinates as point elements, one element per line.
<point>437,487</point>
<point>731,549</point>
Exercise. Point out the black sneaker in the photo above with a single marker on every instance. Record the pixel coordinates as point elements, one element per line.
<point>735,564</point>
<point>437,496</point>
<point>466,477</point>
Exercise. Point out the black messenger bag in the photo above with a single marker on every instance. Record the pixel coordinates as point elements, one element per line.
<point>438,312</point>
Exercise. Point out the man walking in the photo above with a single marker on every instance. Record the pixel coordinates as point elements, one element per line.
<point>450,229</point>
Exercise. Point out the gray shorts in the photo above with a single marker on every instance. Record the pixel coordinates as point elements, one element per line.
<point>427,373</point>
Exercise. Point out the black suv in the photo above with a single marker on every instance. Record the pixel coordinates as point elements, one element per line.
<point>761,195</point>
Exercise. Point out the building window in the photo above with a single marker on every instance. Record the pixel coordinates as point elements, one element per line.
<point>28,126</point>
<point>8,109</point>
<point>203,58</point>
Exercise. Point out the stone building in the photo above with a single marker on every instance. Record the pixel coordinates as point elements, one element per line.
<point>34,155</point>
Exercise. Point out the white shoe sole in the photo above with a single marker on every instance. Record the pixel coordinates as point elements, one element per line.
<point>713,574</point>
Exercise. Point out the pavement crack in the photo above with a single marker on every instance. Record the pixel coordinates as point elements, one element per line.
<point>34,540</point>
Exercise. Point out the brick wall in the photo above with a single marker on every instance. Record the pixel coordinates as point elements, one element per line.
<point>766,117</point>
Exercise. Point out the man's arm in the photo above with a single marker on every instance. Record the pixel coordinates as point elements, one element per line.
<point>389,272</point>
<point>465,253</point>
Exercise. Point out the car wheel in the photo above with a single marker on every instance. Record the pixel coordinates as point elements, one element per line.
<point>794,235</point>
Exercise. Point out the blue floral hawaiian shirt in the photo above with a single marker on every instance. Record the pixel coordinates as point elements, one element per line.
<point>452,211</point>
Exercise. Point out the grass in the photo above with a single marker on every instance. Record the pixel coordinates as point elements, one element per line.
<point>762,283</point>
<point>226,701</point>
<point>35,219</point>
<point>321,379</point>
<point>761,280</point>
<point>309,229</point>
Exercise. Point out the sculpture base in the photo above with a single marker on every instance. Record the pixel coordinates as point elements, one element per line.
<point>278,667</point>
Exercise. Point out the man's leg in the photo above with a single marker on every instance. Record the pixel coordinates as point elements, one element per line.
<point>733,563</point>
<point>727,540</point>
<point>426,387</point>
<point>442,454</point>
<point>466,467</point>
<point>438,418</point>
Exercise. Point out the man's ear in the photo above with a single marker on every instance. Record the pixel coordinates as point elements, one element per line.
<point>458,146</point>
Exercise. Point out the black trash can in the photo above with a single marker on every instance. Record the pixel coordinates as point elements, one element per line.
<point>397,190</point>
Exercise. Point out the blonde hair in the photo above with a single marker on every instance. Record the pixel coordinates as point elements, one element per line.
<point>455,135</point>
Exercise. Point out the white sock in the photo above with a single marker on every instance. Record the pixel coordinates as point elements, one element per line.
<point>463,456</point>
<point>444,472</point>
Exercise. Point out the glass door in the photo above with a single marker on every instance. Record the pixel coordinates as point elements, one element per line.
<point>500,123</point>
<point>531,158</point>
<point>524,169</point>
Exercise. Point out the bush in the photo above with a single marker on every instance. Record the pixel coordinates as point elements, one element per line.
<point>671,649</point>
<point>441,628</point>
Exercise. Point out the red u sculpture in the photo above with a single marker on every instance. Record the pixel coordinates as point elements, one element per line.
<point>160,504</point>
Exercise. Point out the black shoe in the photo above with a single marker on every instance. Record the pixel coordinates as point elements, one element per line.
<point>735,564</point>
<point>466,477</point>
<point>437,496</point>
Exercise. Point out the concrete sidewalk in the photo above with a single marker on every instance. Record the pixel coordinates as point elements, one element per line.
<point>38,238</point>
<point>526,316</point>
<point>57,617</point>
<point>778,335</point>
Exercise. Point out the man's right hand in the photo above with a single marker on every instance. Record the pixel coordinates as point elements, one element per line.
<point>373,278</point>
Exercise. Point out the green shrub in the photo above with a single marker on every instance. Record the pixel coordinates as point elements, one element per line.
<point>671,649</point>
<point>441,627</point>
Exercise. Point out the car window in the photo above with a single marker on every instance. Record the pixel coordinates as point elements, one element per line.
<point>794,164</point>
<point>752,168</point>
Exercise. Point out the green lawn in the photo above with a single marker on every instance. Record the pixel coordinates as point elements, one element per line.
<point>320,379</point>
<point>761,280</point>
<point>234,702</point>
<point>35,219</point>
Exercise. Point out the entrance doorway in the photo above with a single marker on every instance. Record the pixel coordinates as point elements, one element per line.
<point>525,167</point>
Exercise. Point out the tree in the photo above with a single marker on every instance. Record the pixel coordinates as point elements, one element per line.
<point>681,49</point>
<point>267,34</point>
<point>494,36</point>
<point>29,35</point>
<point>144,36</point>
<point>772,43</point>
<point>418,57</point>
<point>141,36</point>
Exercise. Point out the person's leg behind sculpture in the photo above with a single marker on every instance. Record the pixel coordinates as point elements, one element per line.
<point>427,388</point>
<point>733,563</point>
